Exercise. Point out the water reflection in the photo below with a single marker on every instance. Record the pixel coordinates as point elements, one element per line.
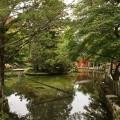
<point>57,110</point>
<point>18,104</point>
<point>60,109</point>
<point>96,108</point>
<point>84,104</point>
<point>79,101</point>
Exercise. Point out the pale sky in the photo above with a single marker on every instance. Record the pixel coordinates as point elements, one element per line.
<point>69,9</point>
<point>70,1</point>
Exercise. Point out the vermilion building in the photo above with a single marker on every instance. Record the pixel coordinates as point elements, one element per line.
<point>83,63</point>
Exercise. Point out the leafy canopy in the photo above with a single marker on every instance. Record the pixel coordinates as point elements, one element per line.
<point>98,28</point>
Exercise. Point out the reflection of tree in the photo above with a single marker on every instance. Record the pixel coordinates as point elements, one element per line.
<point>97,110</point>
<point>8,90</point>
<point>75,116</point>
<point>60,109</point>
<point>89,87</point>
<point>5,110</point>
<point>57,110</point>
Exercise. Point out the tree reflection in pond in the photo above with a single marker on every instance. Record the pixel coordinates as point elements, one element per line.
<point>97,109</point>
<point>57,110</point>
<point>85,103</point>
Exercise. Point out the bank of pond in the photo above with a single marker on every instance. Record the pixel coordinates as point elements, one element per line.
<point>74,96</point>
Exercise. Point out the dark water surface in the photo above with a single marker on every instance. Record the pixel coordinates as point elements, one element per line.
<point>82,103</point>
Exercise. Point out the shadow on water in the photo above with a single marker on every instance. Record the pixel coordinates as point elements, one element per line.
<point>27,102</point>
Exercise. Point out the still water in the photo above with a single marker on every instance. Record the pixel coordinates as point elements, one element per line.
<point>82,103</point>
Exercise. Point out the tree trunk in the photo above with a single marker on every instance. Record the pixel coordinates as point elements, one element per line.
<point>1,98</point>
<point>116,74</point>
<point>1,66</point>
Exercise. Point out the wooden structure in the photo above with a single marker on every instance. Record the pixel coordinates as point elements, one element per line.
<point>83,63</point>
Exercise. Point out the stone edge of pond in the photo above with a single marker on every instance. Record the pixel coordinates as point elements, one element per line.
<point>113,106</point>
<point>112,102</point>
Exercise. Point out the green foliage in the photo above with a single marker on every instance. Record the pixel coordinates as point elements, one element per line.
<point>5,116</point>
<point>47,51</point>
<point>24,21</point>
<point>97,27</point>
<point>21,20</point>
<point>72,44</point>
<point>50,56</point>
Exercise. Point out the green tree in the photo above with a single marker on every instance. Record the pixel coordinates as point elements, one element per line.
<point>20,21</point>
<point>45,48</point>
<point>73,43</point>
<point>49,53</point>
<point>98,29</point>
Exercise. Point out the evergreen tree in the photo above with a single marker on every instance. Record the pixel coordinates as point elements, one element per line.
<point>20,21</point>
<point>45,45</point>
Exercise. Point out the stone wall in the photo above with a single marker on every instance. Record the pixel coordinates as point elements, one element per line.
<point>112,103</point>
<point>113,97</point>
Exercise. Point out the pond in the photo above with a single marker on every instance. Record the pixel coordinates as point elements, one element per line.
<point>65,97</point>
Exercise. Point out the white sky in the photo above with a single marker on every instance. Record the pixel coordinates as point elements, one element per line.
<point>70,1</point>
<point>67,2</point>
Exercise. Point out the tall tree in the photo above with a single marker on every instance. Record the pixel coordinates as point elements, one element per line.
<point>20,21</point>
<point>49,53</point>
<point>44,45</point>
<point>98,28</point>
